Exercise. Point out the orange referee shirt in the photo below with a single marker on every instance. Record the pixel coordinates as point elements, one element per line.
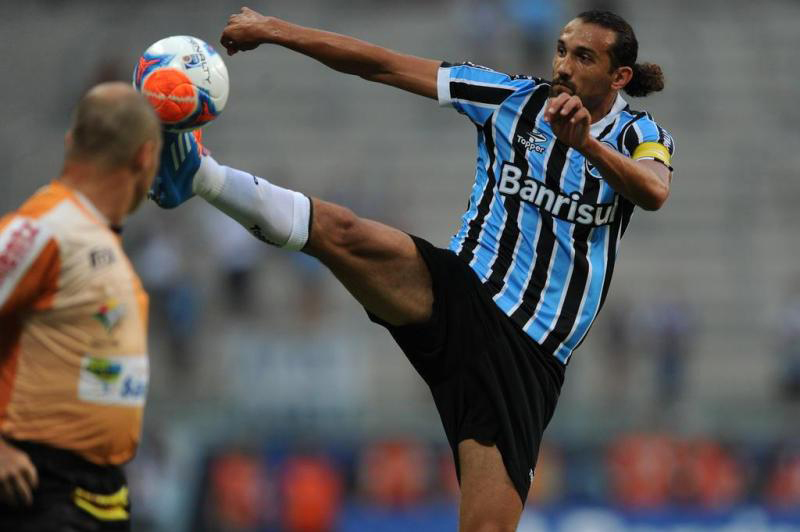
<point>73,330</point>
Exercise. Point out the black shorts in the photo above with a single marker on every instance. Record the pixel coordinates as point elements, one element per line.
<point>73,494</point>
<point>490,381</point>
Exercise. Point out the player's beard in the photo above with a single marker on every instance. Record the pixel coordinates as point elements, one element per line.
<point>564,85</point>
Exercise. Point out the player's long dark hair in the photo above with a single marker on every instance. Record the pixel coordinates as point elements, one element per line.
<point>647,77</point>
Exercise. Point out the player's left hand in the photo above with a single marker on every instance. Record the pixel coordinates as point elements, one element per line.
<point>569,119</point>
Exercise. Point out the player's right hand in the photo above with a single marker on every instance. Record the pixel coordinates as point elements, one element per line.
<point>18,477</point>
<point>245,31</point>
<point>569,119</point>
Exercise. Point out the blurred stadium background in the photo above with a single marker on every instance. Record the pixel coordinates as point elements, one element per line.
<point>276,405</point>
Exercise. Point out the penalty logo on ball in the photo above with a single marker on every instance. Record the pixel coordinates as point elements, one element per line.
<point>193,61</point>
<point>185,81</point>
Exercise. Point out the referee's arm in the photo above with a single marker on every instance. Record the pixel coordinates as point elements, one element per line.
<point>248,29</point>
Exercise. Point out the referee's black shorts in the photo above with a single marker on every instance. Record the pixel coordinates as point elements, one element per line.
<point>72,495</point>
<point>490,381</point>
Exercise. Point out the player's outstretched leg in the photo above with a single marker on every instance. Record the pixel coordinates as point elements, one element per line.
<point>378,264</point>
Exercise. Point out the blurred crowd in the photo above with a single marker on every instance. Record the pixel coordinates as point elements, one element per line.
<point>312,488</point>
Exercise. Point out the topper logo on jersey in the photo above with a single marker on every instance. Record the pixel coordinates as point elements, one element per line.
<point>534,142</point>
<point>569,208</point>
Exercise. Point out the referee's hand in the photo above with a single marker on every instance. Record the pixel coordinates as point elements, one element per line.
<point>18,477</point>
<point>569,119</point>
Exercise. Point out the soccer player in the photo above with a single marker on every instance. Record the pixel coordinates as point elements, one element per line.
<point>491,322</point>
<point>73,326</point>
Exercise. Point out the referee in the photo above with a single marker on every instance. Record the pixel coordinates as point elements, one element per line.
<point>491,322</point>
<point>74,368</point>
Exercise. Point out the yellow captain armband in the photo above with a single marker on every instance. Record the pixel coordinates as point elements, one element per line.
<point>653,150</point>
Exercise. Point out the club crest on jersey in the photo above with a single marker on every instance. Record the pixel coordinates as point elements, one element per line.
<point>535,141</point>
<point>110,314</point>
<point>591,169</point>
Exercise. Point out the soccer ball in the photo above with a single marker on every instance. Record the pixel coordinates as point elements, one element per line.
<point>185,80</point>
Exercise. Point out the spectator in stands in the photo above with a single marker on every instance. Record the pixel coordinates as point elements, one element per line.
<point>670,326</point>
<point>788,337</point>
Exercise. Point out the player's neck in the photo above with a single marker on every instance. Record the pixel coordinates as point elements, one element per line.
<point>110,191</point>
<point>604,107</point>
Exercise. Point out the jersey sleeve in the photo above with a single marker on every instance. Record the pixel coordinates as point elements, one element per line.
<point>28,264</point>
<point>477,91</point>
<point>644,139</point>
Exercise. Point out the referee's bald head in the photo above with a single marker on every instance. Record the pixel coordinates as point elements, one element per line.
<point>110,123</point>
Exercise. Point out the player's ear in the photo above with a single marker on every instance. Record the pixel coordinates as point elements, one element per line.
<point>145,157</point>
<point>68,141</point>
<point>620,77</point>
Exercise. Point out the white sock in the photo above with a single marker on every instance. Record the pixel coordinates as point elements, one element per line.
<point>272,214</point>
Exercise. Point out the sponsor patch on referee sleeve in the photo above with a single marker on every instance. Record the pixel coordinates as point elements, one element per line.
<point>652,150</point>
<point>21,242</point>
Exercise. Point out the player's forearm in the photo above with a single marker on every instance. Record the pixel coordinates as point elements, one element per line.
<point>353,56</point>
<point>641,185</point>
